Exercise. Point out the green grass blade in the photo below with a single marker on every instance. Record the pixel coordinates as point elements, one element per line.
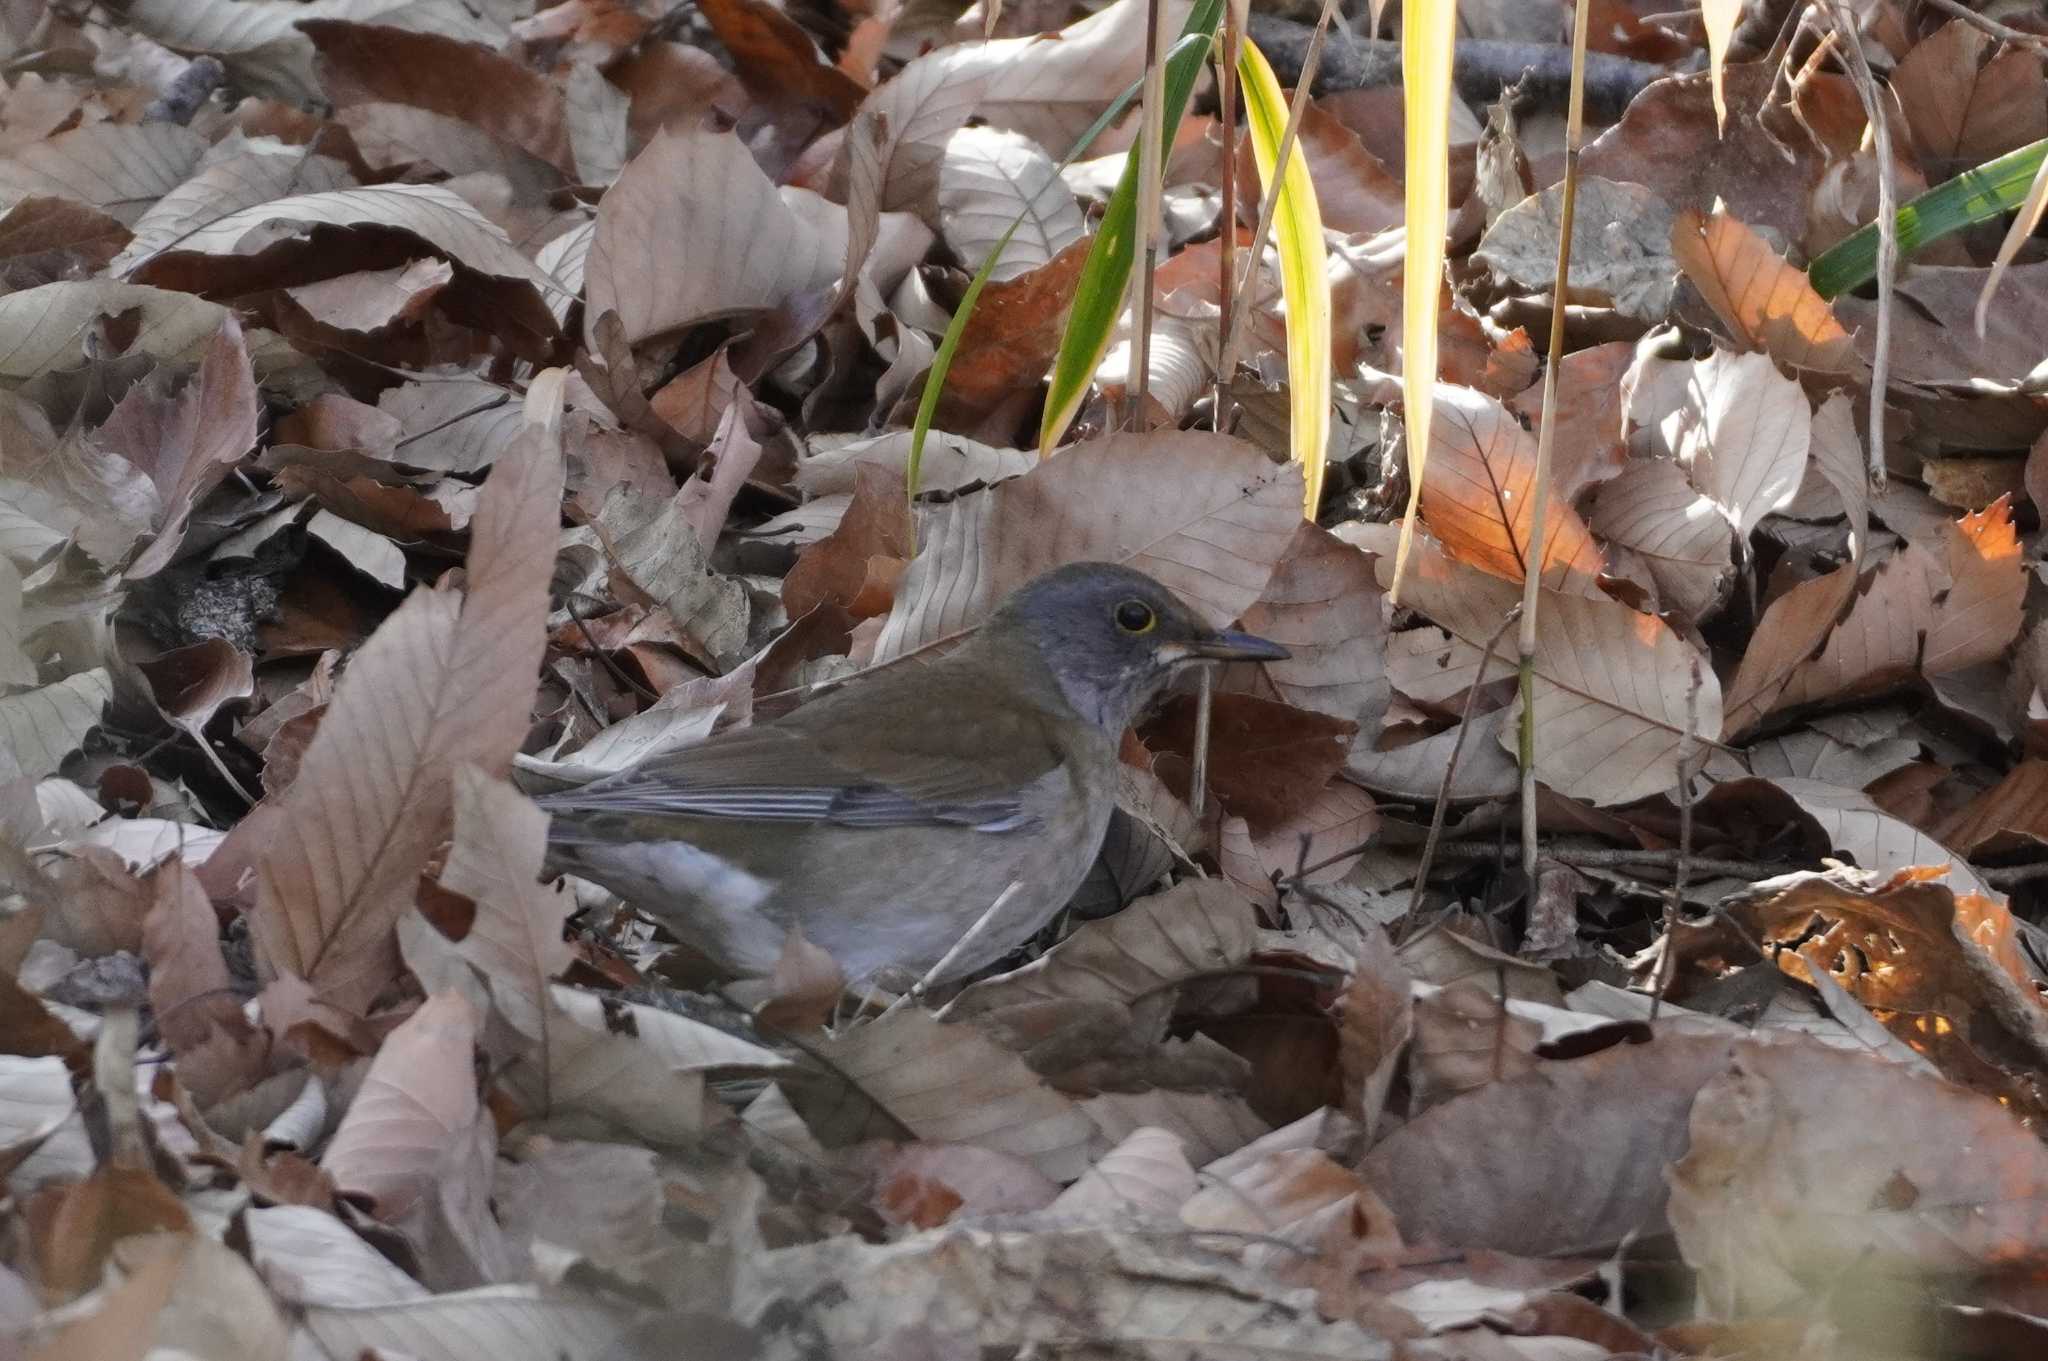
<point>1194,39</point>
<point>1106,273</point>
<point>1989,191</point>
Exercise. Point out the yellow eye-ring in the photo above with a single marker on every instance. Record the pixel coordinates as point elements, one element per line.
<point>1135,616</point>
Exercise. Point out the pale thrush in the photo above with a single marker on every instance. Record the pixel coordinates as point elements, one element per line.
<point>885,820</point>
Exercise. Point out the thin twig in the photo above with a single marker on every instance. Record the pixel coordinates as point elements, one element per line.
<point>1443,789</point>
<point>1151,154</point>
<point>1269,202</point>
<point>1887,228</point>
<point>1539,492</point>
<point>1688,745</point>
<point>1226,244</point>
<point>1198,780</point>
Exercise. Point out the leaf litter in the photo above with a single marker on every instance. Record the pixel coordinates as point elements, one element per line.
<point>406,405</point>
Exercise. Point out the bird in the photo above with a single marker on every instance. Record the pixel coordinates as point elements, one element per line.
<point>919,822</point>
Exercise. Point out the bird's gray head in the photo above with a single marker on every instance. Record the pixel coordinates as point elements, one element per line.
<point>1113,638</point>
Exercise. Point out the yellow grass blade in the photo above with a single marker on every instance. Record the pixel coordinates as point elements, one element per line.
<point>1428,30</point>
<point>1304,273</point>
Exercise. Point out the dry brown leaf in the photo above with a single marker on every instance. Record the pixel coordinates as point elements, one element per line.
<point>1009,342</point>
<point>1567,1158</point>
<point>245,250</point>
<point>952,1084</point>
<point>1963,110</point>
<point>1323,604</point>
<point>1214,543</point>
<point>1465,1039</point>
<point>1792,630</point>
<point>1478,496</point>
<point>858,564</point>
<point>779,63</point>
<point>515,940</point>
<point>1763,300</point>
<point>1375,1018</point>
<point>1812,1172</point>
<point>1621,246</point>
<point>418,1101</point>
<point>1269,761</point>
<point>2011,815</point>
<point>363,64</point>
<point>447,680</point>
<point>1674,538</point>
<point>371,300</point>
<point>43,726</point>
<point>1611,686</point>
<point>1980,614</point>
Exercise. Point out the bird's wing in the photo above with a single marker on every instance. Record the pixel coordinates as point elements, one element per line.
<point>960,762</point>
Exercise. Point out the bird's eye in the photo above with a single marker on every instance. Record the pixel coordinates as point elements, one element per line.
<point>1135,616</point>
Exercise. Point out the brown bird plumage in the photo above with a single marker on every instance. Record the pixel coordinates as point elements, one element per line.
<point>885,819</point>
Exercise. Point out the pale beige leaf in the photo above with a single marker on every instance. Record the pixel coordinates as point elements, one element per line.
<point>1746,447</point>
<point>45,327</point>
<point>1857,828</point>
<point>953,1084</point>
<point>39,728</point>
<point>1049,88</point>
<point>1209,1124</point>
<point>444,681</point>
<point>189,987</point>
<point>1414,772</point>
<point>596,113</point>
<point>1766,302</point>
<point>1610,685</point>
<point>515,940</point>
<point>1323,604</point>
<point>989,179</point>
<point>1808,754</point>
<point>1838,458</point>
<point>612,1068</point>
<point>1323,840</point>
<point>370,300</point>
<point>1127,1294</point>
<point>1621,248</point>
<point>1215,542</point>
<point>1673,530</point>
<point>436,215</point>
<point>950,462</point>
<point>238,173</point>
<point>118,168</point>
<point>503,1322</point>
<point>416,1104</point>
<point>453,426</point>
<point>1478,496</point>
<point>260,42</point>
<point>1145,1177</point>
<point>309,1257</point>
<point>693,230</point>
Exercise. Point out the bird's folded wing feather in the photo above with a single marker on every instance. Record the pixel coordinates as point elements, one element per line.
<point>954,764</point>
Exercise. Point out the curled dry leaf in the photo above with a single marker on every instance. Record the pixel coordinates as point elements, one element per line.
<point>1323,605</point>
<point>1214,543</point>
<point>1963,110</point>
<point>987,180</point>
<point>1670,533</point>
<point>1145,1178</point>
<point>240,172</point>
<point>1942,970</point>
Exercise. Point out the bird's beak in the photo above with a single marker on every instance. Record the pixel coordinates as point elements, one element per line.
<point>1231,646</point>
